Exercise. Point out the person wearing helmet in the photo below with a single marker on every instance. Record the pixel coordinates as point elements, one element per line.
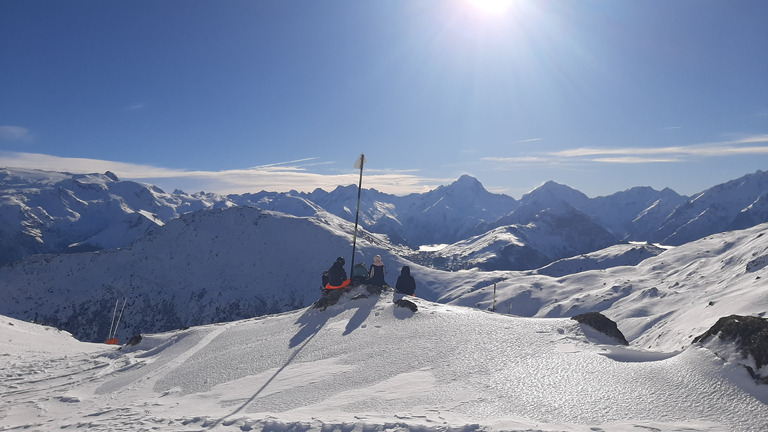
<point>337,276</point>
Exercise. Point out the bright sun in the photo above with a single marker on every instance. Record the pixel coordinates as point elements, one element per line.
<point>491,7</point>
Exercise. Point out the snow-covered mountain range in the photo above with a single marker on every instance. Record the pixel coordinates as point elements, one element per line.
<point>207,266</point>
<point>219,297</point>
<point>51,212</point>
<point>48,212</point>
<point>202,258</point>
<point>219,265</point>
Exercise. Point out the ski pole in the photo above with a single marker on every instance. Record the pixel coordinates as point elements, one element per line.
<point>121,315</point>
<point>114,313</point>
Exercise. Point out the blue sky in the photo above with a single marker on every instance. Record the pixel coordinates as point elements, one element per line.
<point>237,96</point>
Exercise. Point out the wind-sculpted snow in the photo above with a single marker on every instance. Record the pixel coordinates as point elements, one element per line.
<point>368,365</point>
<point>661,303</point>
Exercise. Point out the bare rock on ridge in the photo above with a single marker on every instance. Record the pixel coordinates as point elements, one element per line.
<point>603,324</point>
<point>749,334</point>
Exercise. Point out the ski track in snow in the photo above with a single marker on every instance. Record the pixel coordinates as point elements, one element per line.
<point>367,365</point>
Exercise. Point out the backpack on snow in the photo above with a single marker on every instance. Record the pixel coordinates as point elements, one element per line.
<point>359,273</point>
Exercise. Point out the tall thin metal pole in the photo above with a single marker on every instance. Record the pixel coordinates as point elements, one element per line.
<point>361,162</point>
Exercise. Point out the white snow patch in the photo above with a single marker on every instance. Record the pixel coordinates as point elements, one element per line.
<point>368,365</point>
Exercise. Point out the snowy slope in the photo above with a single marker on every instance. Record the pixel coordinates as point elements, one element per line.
<point>634,214</point>
<point>503,248</point>
<point>290,203</point>
<point>613,256</point>
<point>48,212</point>
<point>537,238</point>
<point>20,338</point>
<point>204,267</point>
<point>754,214</point>
<point>714,210</point>
<point>661,303</point>
<point>225,265</point>
<point>367,365</point>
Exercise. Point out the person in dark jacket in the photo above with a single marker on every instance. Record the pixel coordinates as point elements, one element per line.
<point>378,271</point>
<point>406,284</point>
<point>336,274</point>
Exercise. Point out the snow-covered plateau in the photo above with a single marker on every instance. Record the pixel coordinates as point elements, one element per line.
<point>367,365</point>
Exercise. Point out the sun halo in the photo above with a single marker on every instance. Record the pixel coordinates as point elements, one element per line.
<point>491,8</point>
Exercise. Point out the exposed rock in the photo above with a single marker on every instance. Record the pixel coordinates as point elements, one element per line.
<point>603,324</point>
<point>407,304</point>
<point>749,334</point>
<point>757,263</point>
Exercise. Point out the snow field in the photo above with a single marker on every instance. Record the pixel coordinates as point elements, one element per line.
<point>369,365</point>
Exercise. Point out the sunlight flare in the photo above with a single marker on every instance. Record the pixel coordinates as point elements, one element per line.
<point>491,7</point>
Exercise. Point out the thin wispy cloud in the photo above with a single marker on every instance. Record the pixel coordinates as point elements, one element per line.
<point>390,171</point>
<point>275,177</point>
<point>528,140</point>
<point>14,133</point>
<point>519,159</point>
<point>135,107</point>
<point>744,146</point>
<point>754,144</point>
<point>584,152</point>
<point>278,164</point>
<point>635,160</point>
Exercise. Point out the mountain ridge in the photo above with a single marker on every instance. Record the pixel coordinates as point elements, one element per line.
<point>203,267</point>
<point>45,212</point>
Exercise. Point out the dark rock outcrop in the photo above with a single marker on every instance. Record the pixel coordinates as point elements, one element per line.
<point>749,334</point>
<point>134,340</point>
<point>603,324</point>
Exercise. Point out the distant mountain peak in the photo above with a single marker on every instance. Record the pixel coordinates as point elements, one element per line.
<point>467,182</point>
<point>552,190</point>
<point>551,186</point>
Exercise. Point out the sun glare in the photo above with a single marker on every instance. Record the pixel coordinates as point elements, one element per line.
<point>491,7</point>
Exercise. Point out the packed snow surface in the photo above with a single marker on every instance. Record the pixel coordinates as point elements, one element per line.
<point>365,364</point>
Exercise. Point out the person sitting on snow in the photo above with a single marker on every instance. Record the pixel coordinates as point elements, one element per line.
<point>337,276</point>
<point>406,284</point>
<point>378,271</point>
